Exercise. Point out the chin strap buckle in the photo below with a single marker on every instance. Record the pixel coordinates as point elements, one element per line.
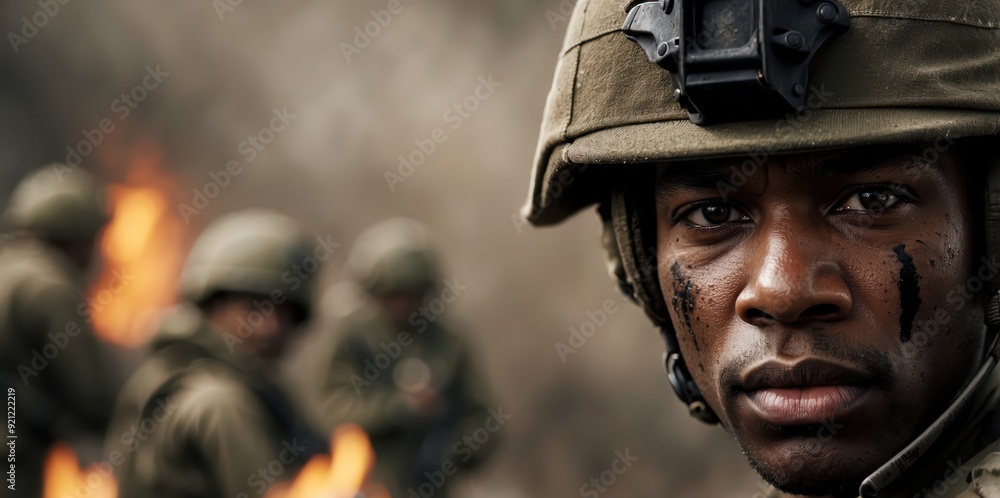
<point>686,390</point>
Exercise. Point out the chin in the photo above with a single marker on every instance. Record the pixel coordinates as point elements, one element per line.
<point>812,469</point>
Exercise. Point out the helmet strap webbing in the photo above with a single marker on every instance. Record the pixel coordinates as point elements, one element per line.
<point>624,227</point>
<point>992,204</point>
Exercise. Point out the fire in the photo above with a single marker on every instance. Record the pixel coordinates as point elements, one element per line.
<point>64,478</point>
<point>141,251</point>
<point>344,475</point>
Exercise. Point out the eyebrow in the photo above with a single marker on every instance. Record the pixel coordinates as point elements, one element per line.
<point>864,161</point>
<point>699,176</point>
<point>691,177</point>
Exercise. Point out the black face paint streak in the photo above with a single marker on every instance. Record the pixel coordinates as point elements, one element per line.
<point>909,292</point>
<point>683,300</point>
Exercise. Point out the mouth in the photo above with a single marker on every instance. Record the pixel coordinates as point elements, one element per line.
<point>805,393</point>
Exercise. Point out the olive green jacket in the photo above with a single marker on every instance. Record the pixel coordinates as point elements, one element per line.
<point>963,463</point>
<point>48,351</point>
<point>199,419</point>
<point>370,362</point>
<point>49,354</point>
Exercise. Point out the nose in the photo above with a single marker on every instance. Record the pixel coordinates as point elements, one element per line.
<point>794,282</point>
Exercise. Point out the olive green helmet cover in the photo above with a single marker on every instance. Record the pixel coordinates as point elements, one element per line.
<point>58,204</point>
<point>249,252</point>
<point>394,257</point>
<point>905,72</point>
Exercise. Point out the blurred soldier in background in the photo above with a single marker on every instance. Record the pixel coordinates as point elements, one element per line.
<point>204,415</point>
<point>49,355</point>
<point>400,372</point>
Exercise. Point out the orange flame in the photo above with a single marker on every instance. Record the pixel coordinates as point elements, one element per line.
<point>64,478</point>
<point>141,250</point>
<point>345,475</point>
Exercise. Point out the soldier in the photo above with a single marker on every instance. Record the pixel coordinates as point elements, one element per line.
<point>49,355</point>
<point>400,371</point>
<point>204,415</point>
<point>816,242</point>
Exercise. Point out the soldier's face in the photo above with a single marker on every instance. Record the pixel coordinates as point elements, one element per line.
<point>264,328</point>
<point>80,251</point>
<point>824,303</point>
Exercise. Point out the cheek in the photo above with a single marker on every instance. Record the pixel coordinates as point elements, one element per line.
<point>947,332</point>
<point>701,304</point>
<point>921,294</point>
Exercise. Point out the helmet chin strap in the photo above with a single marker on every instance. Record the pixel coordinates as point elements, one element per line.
<point>682,382</point>
<point>634,267</point>
<point>903,460</point>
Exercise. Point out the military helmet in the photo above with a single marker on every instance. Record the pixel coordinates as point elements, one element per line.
<point>251,252</point>
<point>394,257</point>
<point>634,76</point>
<point>58,204</point>
<point>904,72</point>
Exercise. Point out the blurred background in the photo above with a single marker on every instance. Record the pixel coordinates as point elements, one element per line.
<point>168,102</point>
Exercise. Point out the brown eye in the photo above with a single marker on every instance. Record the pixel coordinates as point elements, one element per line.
<point>871,200</point>
<point>710,215</point>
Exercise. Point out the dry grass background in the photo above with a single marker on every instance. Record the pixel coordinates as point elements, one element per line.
<point>353,119</point>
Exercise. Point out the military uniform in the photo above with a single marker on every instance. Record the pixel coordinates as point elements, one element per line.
<point>199,419</point>
<point>204,415</point>
<point>49,354</point>
<point>375,362</point>
<point>370,362</point>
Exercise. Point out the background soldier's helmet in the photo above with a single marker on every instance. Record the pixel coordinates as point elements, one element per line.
<point>258,252</point>
<point>394,257</point>
<point>903,72</point>
<point>58,204</point>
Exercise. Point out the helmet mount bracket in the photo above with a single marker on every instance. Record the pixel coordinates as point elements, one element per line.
<point>736,60</point>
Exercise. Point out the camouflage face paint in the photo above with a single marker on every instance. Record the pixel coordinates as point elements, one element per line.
<point>909,292</point>
<point>683,300</point>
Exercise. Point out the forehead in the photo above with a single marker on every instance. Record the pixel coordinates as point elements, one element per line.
<point>804,167</point>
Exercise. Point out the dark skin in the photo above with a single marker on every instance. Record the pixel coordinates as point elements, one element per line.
<point>792,294</point>
<point>79,251</point>
<point>269,337</point>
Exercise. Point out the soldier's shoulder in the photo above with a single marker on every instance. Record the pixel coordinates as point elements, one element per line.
<point>983,474</point>
<point>177,323</point>
<point>210,376</point>
<point>206,389</point>
<point>34,265</point>
<point>28,254</point>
